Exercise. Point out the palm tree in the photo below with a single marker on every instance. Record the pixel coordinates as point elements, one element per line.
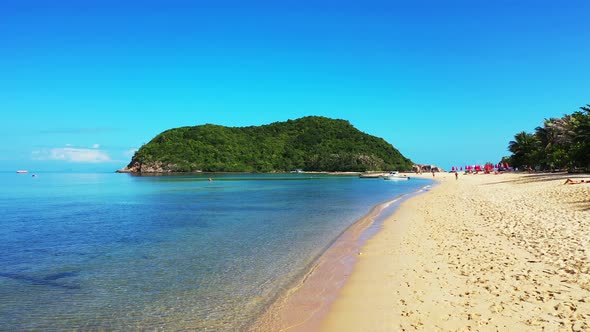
<point>580,135</point>
<point>560,142</point>
<point>525,149</point>
<point>583,128</point>
<point>547,136</point>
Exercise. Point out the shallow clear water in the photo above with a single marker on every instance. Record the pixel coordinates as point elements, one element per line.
<point>115,251</point>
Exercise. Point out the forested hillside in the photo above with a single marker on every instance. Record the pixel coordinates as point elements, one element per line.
<point>310,143</point>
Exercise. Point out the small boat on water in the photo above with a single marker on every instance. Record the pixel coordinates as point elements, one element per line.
<point>370,175</point>
<point>395,176</point>
<point>22,171</point>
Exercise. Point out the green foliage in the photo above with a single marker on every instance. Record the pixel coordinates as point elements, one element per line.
<point>524,149</point>
<point>559,144</point>
<point>310,143</point>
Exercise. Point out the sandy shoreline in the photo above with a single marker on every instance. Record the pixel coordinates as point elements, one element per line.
<point>307,302</point>
<point>486,252</point>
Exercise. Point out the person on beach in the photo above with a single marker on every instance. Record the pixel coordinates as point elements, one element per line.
<point>570,181</point>
<point>456,176</point>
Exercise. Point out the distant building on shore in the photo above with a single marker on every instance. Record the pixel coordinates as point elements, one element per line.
<point>421,168</point>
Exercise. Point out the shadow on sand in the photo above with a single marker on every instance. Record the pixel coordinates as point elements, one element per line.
<point>583,205</point>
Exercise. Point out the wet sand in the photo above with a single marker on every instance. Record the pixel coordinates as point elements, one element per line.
<point>482,253</point>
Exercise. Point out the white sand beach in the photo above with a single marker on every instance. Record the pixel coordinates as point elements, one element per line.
<point>507,252</point>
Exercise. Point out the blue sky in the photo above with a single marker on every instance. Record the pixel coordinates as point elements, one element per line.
<point>84,83</point>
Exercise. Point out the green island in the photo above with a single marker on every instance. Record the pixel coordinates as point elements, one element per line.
<point>310,143</point>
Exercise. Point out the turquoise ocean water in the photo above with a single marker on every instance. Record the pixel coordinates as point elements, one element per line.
<point>120,252</point>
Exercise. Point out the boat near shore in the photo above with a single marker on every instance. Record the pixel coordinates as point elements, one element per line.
<point>368,175</point>
<point>395,176</point>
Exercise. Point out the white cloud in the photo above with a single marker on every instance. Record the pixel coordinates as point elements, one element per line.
<point>96,146</point>
<point>74,155</point>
